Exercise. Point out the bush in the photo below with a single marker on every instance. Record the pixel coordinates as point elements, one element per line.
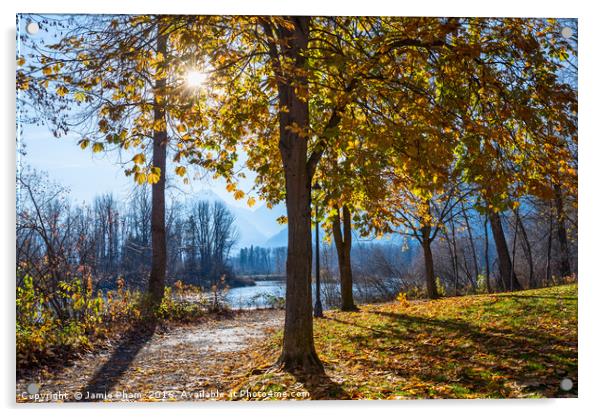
<point>440,287</point>
<point>415,293</point>
<point>179,308</point>
<point>268,300</point>
<point>402,299</point>
<point>481,284</point>
<point>72,318</point>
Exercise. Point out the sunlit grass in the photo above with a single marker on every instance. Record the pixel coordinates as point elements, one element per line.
<point>510,345</point>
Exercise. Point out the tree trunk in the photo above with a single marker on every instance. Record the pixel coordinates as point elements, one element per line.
<point>455,255</point>
<point>487,273</point>
<point>513,258</point>
<point>472,249</point>
<point>507,275</point>
<point>429,266</point>
<point>156,284</point>
<point>565,264</point>
<point>549,247</point>
<point>298,351</point>
<point>343,245</point>
<point>526,249</point>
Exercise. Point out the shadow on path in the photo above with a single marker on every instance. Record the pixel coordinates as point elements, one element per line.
<point>105,378</point>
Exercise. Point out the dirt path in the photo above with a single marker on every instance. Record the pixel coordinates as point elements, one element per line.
<point>190,362</point>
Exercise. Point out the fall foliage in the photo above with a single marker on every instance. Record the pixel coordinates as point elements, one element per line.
<point>372,126</point>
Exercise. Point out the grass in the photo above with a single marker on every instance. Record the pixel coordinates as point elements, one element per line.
<point>509,345</point>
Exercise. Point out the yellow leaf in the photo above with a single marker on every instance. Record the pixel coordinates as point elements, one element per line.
<point>79,96</point>
<point>181,171</point>
<point>140,177</point>
<point>61,90</point>
<point>84,143</point>
<point>251,202</point>
<point>154,176</point>
<point>98,147</point>
<point>159,125</point>
<point>139,159</point>
<point>238,195</point>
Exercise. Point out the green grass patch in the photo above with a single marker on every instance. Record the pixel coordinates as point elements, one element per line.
<point>508,345</point>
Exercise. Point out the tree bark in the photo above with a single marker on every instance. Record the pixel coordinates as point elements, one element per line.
<point>565,263</point>
<point>156,284</point>
<point>343,245</point>
<point>549,247</point>
<point>429,266</point>
<point>298,351</point>
<point>507,275</point>
<point>526,249</point>
<point>455,255</point>
<point>487,273</point>
<point>472,248</point>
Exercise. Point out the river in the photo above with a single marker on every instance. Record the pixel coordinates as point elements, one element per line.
<point>264,294</point>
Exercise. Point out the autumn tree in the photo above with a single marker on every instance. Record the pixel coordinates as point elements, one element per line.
<point>117,82</point>
<point>425,96</point>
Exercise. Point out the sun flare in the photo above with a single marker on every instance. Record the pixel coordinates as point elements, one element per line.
<point>195,78</point>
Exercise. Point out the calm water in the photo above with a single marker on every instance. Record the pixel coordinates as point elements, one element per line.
<point>265,294</point>
<point>260,295</point>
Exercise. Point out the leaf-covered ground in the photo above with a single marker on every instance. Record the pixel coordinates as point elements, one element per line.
<point>197,361</point>
<point>510,345</point>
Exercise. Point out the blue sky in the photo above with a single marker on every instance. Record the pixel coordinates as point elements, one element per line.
<point>88,175</point>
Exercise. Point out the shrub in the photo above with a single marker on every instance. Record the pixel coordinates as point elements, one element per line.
<point>481,284</point>
<point>178,308</point>
<point>268,300</point>
<point>440,287</point>
<point>402,299</point>
<point>72,318</point>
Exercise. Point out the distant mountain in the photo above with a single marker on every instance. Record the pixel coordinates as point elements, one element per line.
<point>259,227</point>
<point>265,219</point>
<point>278,240</point>
<point>281,239</point>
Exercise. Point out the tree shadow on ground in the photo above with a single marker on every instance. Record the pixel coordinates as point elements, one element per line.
<point>321,386</point>
<point>543,297</point>
<point>108,375</point>
<point>472,357</point>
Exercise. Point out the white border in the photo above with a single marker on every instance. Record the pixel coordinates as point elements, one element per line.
<point>590,291</point>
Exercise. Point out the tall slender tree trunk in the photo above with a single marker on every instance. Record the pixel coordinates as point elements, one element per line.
<point>429,266</point>
<point>156,283</point>
<point>549,247</point>
<point>342,242</point>
<point>507,275</point>
<point>513,258</point>
<point>298,351</point>
<point>565,263</point>
<point>527,249</point>
<point>456,264</point>
<point>472,248</point>
<point>487,272</point>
